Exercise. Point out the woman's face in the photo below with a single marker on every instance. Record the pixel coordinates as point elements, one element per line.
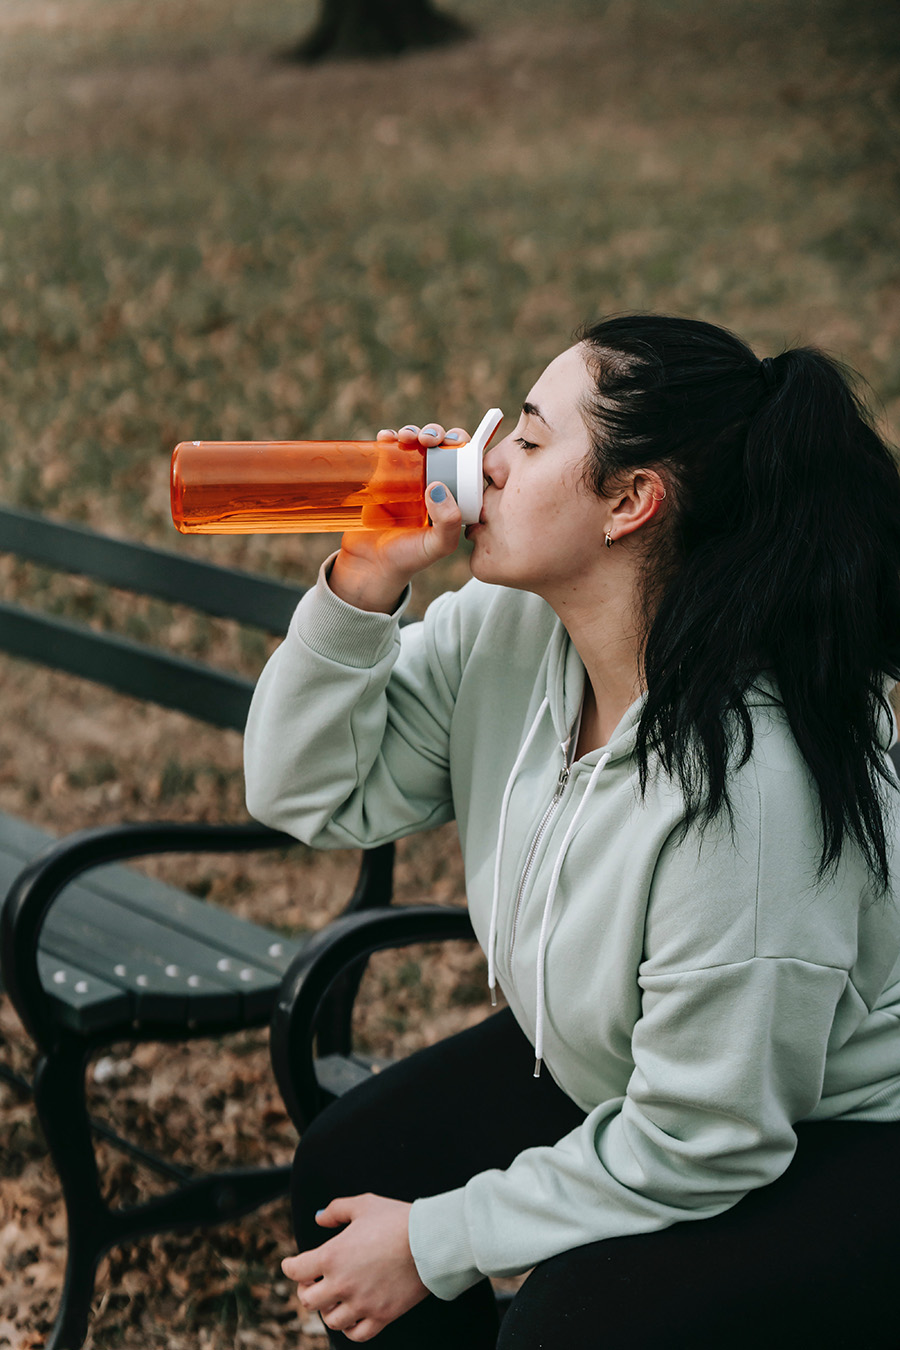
<point>541,527</point>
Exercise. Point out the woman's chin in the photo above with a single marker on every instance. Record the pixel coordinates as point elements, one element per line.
<point>482,567</point>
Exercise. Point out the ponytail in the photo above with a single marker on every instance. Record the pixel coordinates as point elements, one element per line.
<point>779,556</point>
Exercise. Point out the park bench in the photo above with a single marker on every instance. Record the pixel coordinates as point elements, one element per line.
<point>93,951</point>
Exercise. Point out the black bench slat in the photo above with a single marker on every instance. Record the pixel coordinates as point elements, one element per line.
<point>84,1002</point>
<point>10,866</point>
<point>146,951</point>
<point>337,1074</point>
<point>234,937</point>
<point>129,667</point>
<point>116,915</point>
<point>19,843</point>
<point>225,592</point>
<point>20,839</point>
<point>144,1005</point>
<point>126,958</point>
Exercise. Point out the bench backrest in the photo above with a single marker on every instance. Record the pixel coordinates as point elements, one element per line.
<point>129,667</point>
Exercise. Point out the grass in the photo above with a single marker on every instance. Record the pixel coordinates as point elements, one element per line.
<point>198,239</point>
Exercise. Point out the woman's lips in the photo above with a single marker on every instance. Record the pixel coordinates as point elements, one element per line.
<point>475,524</point>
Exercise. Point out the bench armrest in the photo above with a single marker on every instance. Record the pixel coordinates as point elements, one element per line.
<point>345,942</point>
<point>41,880</point>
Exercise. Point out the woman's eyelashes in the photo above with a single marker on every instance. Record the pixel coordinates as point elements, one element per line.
<point>526,445</point>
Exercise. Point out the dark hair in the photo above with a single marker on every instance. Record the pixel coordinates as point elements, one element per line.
<point>778,552</point>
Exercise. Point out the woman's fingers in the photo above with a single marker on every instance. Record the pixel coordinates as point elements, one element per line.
<point>456,436</point>
<point>341,1318</point>
<point>341,1210</point>
<point>364,1330</point>
<point>297,1267</point>
<point>431,434</point>
<point>358,1329</point>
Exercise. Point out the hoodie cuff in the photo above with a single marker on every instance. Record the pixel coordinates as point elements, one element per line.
<point>439,1242</point>
<point>341,632</point>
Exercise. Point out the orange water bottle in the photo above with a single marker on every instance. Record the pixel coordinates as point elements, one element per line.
<point>289,487</point>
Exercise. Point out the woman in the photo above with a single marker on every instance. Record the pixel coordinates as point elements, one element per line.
<point>658,717</point>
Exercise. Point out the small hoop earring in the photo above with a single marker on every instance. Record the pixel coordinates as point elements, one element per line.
<point>609,539</point>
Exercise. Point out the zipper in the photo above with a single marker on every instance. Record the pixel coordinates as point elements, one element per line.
<point>561,782</point>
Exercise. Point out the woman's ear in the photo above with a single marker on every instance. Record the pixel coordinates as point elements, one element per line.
<point>637,502</point>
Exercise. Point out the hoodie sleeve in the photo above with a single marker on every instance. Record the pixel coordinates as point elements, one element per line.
<point>725,1059</point>
<point>346,743</point>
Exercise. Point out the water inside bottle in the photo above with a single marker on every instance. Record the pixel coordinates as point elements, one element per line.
<point>279,487</point>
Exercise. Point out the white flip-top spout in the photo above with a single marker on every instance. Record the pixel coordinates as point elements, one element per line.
<point>461,469</point>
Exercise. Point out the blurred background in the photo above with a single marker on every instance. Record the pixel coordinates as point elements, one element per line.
<point>204,237</point>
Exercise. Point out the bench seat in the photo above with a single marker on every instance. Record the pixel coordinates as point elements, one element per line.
<point>119,948</point>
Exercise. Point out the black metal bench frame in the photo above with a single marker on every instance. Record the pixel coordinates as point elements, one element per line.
<point>68,1026</point>
<point>311,1069</point>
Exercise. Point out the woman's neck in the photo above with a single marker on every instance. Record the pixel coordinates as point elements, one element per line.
<point>604,633</point>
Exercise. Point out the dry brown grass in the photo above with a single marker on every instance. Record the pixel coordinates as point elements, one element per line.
<point>198,239</point>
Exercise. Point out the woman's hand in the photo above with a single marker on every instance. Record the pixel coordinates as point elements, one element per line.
<point>374,566</point>
<point>365,1277</point>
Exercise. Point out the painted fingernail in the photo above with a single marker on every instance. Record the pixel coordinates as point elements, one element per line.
<point>429,431</point>
<point>438,493</point>
<point>319,1213</point>
<point>409,427</point>
<point>451,436</point>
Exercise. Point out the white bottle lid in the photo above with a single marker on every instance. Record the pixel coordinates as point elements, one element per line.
<point>461,469</point>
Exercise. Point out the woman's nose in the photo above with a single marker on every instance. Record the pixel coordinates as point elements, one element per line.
<point>493,466</point>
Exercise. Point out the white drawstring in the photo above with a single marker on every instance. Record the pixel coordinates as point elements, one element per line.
<point>501,832</point>
<point>548,906</point>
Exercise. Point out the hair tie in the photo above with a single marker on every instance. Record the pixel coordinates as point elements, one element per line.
<point>767,367</point>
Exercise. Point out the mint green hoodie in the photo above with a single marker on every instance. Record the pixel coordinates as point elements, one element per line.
<point>696,996</point>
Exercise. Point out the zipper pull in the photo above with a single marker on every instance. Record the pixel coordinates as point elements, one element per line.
<point>562,780</point>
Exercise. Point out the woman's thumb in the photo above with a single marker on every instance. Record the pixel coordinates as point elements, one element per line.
<point>334,1214</point>
<point>442,508</point>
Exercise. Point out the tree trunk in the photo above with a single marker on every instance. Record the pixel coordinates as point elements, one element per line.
<point>376,28</point>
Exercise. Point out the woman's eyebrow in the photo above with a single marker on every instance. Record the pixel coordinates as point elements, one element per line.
<point>532,410</point>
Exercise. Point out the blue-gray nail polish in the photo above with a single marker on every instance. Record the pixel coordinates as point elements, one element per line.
<point>451,436</point>
<point>438,493</point>
<point>319,1213</point>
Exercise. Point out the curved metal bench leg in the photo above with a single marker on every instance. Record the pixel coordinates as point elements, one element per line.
<point>220,1197</point>
<point>60,1101</point>
<point>71,1325</point>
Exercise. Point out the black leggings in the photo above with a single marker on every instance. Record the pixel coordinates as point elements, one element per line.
<point>809,1260</point>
